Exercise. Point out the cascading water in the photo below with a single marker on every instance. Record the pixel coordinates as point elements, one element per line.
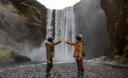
<point>64,28</point>
<point>49,24</point>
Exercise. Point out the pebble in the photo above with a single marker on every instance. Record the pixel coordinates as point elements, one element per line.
<point>65,70</point>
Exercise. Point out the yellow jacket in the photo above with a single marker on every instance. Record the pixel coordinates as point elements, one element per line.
<point>50,49</point>
<point>78,52</point>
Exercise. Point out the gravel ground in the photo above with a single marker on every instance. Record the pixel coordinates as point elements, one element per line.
<point>93,69</point>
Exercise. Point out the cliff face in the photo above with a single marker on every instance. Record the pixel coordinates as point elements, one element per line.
<point>90,21</point>
<point>117,24</point>
<point>22,21</point>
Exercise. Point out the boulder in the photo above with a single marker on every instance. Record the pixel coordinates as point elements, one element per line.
<point>19,58</point>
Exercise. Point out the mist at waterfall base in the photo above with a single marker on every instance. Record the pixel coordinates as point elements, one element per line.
<point>86,18</point>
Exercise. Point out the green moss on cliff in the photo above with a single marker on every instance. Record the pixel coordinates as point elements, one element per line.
<point>23,20</point>
<point>4,53</point>
<point>117,14</point>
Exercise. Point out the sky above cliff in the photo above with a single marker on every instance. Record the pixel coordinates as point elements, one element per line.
<point>58,4</point>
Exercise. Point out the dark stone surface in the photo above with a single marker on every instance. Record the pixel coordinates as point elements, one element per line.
<point>116,14</point>
<point>24,21</point>
<point>19,58</point>
<point>93,69</point>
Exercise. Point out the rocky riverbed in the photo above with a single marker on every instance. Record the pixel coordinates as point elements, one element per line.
<point>95,68</point>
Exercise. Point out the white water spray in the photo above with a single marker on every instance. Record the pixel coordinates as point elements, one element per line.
<point>64,28</point>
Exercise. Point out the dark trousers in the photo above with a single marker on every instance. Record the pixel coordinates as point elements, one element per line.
<point>49,66</point>
<point>80,65</point>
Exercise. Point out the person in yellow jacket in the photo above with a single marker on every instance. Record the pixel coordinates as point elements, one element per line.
<point>50,46</point>
<point>78,54</point>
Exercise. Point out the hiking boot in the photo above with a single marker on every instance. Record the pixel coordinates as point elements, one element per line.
<point>48,76</point>
<point>78,74</point>
<point>81,75</point>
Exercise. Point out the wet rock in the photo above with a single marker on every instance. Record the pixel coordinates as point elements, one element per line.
<point>13,54</point>
<point>22,21</point>
<point>124,61</point>
<point>125,54</point>
<point>19,58</point>
<point>117,26</point>
<point>117,57</point>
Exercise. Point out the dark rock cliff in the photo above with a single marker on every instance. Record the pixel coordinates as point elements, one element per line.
<point>117,24</point>
<point>21,22</point>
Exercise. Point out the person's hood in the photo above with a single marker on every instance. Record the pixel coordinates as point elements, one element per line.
<point>48,43</point>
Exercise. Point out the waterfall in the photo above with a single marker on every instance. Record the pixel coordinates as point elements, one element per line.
<point>86,18</point>
<point>49,24</point>
<point>64,28</point>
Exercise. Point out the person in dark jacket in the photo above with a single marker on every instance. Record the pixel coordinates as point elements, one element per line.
<point>50,46</point>
<point>78,54</point>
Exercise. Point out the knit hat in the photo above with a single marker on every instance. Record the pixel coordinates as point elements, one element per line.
<point>50,39</point>
<point>79,37</point>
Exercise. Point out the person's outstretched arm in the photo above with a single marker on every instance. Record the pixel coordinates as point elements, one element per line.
<point>70,43</point>
<point>57,42</point>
